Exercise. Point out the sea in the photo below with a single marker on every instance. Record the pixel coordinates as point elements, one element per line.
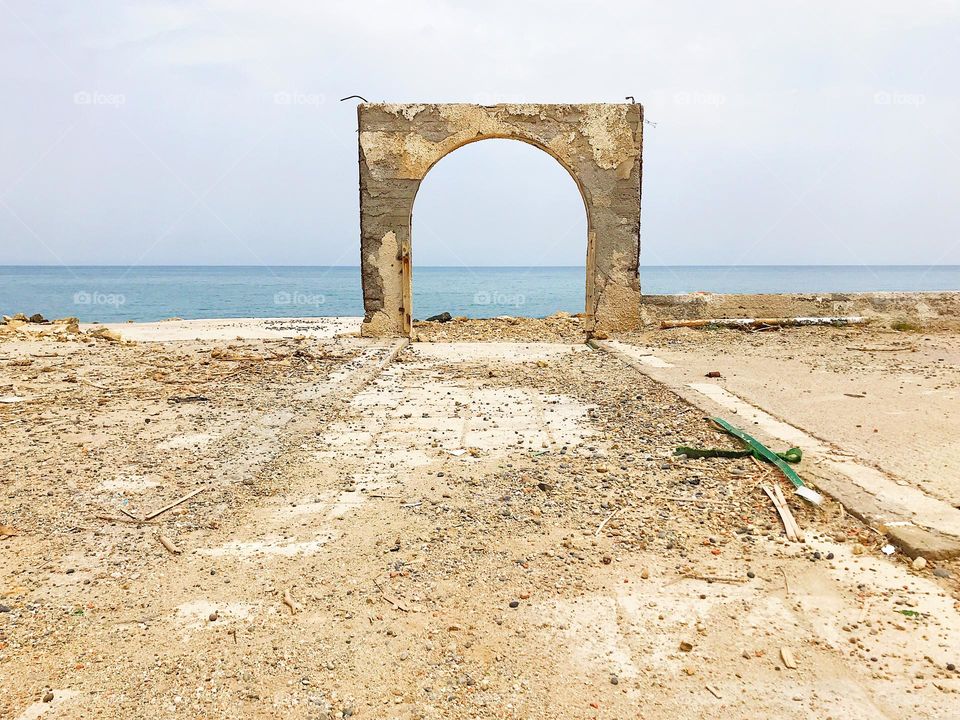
<point>143,294</point>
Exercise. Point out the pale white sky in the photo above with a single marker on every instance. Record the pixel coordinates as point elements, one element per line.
<point>210,132</point>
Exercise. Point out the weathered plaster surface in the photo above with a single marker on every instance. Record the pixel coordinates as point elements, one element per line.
<point>599,145</point>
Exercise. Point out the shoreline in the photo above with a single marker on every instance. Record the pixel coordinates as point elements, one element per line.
<point>926,309</point>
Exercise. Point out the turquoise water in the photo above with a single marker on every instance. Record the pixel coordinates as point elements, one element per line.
<point>153,293</point>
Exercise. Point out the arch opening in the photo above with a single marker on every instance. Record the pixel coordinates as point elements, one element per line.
<point>499,226</point>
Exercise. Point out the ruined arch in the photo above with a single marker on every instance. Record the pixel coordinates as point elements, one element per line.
<point>599,145</point>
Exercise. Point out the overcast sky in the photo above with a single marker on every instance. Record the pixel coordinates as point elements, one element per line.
<point>210,132</point>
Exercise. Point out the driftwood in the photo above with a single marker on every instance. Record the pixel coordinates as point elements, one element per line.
<point>786,654</point>
<point>130,514</point>
<point>397,603</point>
<point>173,504</point>
<point>168,544</point>
<point>905,348</point>
<point>134,521</point>
<point>786,517</point>
<point>786,509</point>
<point>706,578</point>
<point>288,600</point>
<point>607,519</point>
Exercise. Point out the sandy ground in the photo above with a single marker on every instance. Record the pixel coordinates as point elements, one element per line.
<point>889,397</point>
<point>234,328</point>
<point>479,530</point>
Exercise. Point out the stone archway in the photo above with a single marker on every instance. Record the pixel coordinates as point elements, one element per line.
<point>599,145</point>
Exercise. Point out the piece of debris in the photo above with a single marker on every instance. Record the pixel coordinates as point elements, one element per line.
<point>754,323</point>
<point>919,563</point>
<point>793,455</point>
<point>168,544</point>
<point>173,504</point>
<point>686,646</point>
<point>771,457</point>
<point>794,534</point>
<point>396,602</point>
<point>713,374</point>
<point>441,318</point>
<point>288,600</point>
<point>786,654</point>
<point>607,519</point>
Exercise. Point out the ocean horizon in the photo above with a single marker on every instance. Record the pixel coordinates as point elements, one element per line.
<point>113,293</point>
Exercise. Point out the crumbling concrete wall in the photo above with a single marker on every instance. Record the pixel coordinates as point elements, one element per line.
<point>927,310</point>
<point>598,144</point>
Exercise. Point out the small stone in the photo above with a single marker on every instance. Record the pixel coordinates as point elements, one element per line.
<point>941,572</point>
<point>48,696</point>
<point>919,563</point>
<point>751,574</point>
<point>606,560</point>
<point>858,549</point>
<point>614,680</point>
<point>686,646</point>
<point>5,609</point>
<point>645,573</point>
<point>213,617</point>
<point>514,603</point>
<point>951,667</point>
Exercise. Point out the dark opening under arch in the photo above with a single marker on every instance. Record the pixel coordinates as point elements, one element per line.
<point>482,212</point>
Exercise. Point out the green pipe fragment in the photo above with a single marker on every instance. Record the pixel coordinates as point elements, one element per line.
<point>793,455</point>
<point>760,449</point>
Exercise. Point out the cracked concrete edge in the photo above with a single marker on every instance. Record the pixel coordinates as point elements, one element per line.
<point>912,539</point>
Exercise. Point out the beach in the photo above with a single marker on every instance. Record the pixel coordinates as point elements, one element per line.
<point>279,518</point>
